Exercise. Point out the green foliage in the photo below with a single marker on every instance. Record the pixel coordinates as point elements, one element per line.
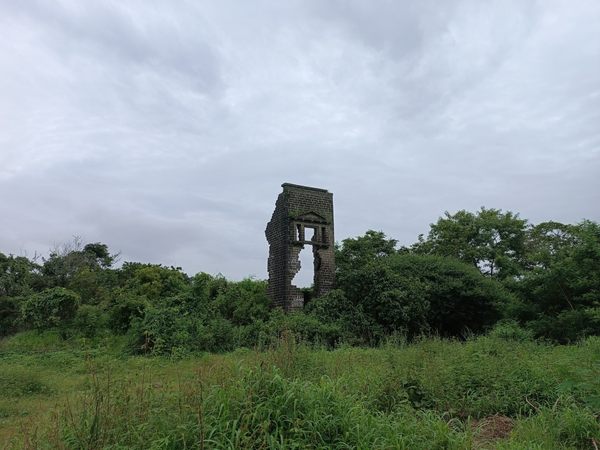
<point>510,330</point>
<point>244,302</point>
<point>389,292</point>
<point>153,282</point>
<point>167,330</point>
<point>54,307</point>
<point>92,285</point>
<point>99,253</point>
<point>393,301</point>
<point>458,297</point>
<point>355,252</point>
<point>10,313</point>
<point>18,275</point>
<point>546,241</point>
<point>124,310</point>
<point>546,277</point>
<point>568,325</point>
<point>354,325</point>
<point>66,261</point>
<point>561,294</point>
<point>209,314</point>
<point>306,328</point>
<point>489,239</point>
<point>89,320</point>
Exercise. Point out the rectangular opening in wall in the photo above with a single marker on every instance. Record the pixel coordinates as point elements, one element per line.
<point>310,233</point>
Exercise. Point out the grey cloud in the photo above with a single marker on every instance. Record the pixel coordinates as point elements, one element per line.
<point>166,131</point>
<point>133,34</point>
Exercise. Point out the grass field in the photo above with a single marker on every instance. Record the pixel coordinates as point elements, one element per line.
<point>486,392</point>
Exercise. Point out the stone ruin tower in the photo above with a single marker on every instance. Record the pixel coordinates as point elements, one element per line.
<point>303,216</point>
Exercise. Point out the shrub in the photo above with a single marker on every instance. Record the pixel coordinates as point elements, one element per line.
<point>459,297</point>
<point>567,326</point>
<point>161,331</point>
<point>355,326</point>
<point>257,334</point>
<point>509,330</point>
<point>54,307</point>
<point>308,328</point>
<point>415,294</point>
<point>126,309</point>
<point>89,320</point>
<point>244,302</point>
<point>9,315</point>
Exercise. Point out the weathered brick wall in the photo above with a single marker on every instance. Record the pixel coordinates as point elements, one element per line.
<point>277,232</point>
<point>300,212</point>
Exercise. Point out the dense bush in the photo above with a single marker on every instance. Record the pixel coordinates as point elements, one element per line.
<point>124,310</point>
<point>89,320</point>
<point>567,326</point>
<point>168,330</point>
<point>411,294</point>
<point>509,330</point>
<point>460,299</point>
<point>10,314</point>
<point>53,307</point>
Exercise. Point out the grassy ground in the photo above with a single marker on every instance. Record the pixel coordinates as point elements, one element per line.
<point>487,392</point>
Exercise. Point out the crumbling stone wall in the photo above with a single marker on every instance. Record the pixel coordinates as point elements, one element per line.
<point>303,216</point>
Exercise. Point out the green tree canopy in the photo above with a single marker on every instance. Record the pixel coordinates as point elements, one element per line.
<point>17,275</point>
<point>360,250</point>
<point>561,293</point>
<point>491,240</point>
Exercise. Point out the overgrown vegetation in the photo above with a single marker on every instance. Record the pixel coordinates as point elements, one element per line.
<point>498,391</point>
<point>471,271</point>
<point>494,294</point>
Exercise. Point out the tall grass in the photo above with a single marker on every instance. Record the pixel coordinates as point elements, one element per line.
<point>487,392</point>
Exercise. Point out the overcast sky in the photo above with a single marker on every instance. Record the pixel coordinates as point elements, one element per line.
<point>165,129</point>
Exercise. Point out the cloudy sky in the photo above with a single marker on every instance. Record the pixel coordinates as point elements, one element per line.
<point>165,129</point>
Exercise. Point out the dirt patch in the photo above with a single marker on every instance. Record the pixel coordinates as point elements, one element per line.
<point>491,429</point>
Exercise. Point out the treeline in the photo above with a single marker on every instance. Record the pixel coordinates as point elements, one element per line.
<point>471,272</point>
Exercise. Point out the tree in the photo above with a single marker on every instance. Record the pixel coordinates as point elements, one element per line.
<point>154,282</point>
<point>400,292</point>
<point>17,275</point>
<point>491,240</point>
<point>561,293</point>
<point>99,253</point>
<point>83,269</point>
<point>547,241</point>
<point>459,298</point>
<point>373,244</point>
<point>355,252</point>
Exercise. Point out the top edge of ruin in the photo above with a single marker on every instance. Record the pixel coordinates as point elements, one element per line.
<point>299,186</point>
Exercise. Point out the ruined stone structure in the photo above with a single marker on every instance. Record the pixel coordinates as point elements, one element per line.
<point>303,216</point>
